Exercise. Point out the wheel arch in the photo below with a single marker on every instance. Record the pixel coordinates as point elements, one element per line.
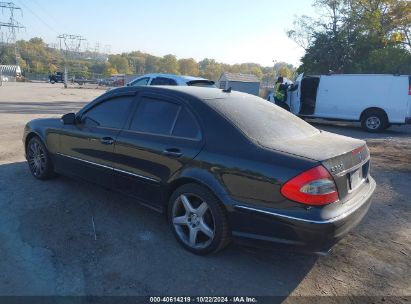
<point>204,179</point>
<point>29,136</point>
<point>374,109</point>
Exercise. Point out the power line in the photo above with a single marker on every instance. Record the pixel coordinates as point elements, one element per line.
<point>43,9</point>
<point>38,17</point>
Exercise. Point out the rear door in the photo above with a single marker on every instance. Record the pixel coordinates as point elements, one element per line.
<point>161,137</point>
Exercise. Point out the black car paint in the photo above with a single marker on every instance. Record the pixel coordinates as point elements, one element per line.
<point>245,176</point>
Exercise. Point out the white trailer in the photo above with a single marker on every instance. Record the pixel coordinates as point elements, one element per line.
<point>377,101</point>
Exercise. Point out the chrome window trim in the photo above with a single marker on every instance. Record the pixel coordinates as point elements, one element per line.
<point>108,167</point>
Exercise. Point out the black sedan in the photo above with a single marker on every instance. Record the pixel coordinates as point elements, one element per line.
<point>221,165</point>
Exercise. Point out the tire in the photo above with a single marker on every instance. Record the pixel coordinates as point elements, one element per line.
<point>374,121</point>
<point>52,82</point>
<point>207,224</point>
<point>38,159</point>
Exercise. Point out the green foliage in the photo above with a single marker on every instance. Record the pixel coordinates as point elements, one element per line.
<point>356,36</point>
<point>119,63</point>
<point>188,67</point>
<point>168,64</point>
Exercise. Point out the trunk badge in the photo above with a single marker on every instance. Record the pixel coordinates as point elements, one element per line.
<point>337,168</point>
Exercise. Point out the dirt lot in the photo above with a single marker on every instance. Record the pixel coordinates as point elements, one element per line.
<point>47,243</point>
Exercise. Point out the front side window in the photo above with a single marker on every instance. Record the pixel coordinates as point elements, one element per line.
<point>155,116</point>
<point>140,82</point>
<point>163,81</point>
<point>111,113</point>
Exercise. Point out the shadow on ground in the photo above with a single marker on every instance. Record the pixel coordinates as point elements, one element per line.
<point>65,237</point>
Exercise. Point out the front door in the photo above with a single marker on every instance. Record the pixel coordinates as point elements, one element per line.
<point>86,148</point>
<point>162,136</point>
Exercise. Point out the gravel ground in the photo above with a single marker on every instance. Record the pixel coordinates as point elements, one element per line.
<point>48,246</point>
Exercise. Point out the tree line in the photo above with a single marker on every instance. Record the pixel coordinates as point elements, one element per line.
<point>34,56</point>
<point>356,36</point>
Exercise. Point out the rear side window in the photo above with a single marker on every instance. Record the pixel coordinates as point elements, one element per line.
<point>163,81</point>
<point>155,116</point>
<point>186,126</point>
<point>109,114</point>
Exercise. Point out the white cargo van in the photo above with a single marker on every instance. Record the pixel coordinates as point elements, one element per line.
<point>377,101</point>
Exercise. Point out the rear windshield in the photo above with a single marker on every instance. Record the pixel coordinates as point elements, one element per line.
<point>201,83</point>
<point>261,120</point>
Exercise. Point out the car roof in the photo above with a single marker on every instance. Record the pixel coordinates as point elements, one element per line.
<point>173,76</point>
<point>193,91</point>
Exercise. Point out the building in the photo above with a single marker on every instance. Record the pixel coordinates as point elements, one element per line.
<point>246,83</point>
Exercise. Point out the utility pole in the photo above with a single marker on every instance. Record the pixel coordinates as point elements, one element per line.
<point>12,25</point>
<point>71,45</point>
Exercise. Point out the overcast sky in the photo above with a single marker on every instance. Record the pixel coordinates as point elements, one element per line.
<point>230,31</point>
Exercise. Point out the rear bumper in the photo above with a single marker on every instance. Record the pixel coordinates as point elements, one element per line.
<point>268,227</point>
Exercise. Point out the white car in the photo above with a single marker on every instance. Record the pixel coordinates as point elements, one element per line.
<point>171,79</point>
<point>376,100</point>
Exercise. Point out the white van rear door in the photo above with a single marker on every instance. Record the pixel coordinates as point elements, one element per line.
<point>295,95</point>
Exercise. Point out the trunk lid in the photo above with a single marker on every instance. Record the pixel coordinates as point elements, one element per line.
<point>347,159</point>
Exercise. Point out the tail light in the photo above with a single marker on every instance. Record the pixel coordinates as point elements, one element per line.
<point>312,187</point>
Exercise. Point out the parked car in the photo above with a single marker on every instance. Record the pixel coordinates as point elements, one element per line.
<point>170,79</point>
<point>377,101</point>
<point>58,77</point>
<point>221,165</point>
<point>105,82</point>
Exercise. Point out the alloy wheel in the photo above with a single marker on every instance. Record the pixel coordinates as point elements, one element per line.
<point>36,157</point>
<point>193,221</point>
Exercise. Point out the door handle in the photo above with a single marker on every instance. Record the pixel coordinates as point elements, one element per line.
<point>172,152</point>
<point>107,141</point>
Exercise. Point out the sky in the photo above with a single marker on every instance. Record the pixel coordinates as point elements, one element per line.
<point>229,31</point>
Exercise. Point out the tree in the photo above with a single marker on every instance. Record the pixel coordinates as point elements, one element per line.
<point>210,69</point>
<point>188,67</point>
<point>109,70</point>
<point>355,36</point>
<point>119,63</point>
<point>168,64</point>
<point>151,64</point>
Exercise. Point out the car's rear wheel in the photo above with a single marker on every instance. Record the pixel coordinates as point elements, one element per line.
<point>374,121</point>
<point>38,159</point>
<point>198,220</point>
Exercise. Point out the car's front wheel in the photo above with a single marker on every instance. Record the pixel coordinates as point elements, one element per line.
<point>198,219</point>
<point>38,159</point>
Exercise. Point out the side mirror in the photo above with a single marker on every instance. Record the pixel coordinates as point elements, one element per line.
<point>68,119</point>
